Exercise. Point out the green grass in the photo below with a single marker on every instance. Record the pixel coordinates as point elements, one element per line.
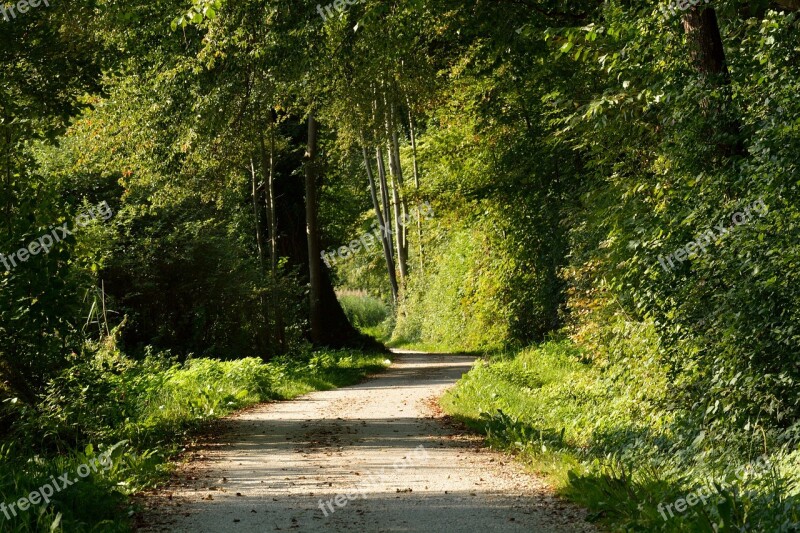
<point>364,311</point>
<point>419,346</point>
<point>149,409</point>
<point>598,436</point>
<point>381,333</point>
<point>393,341</point>
<point>369,315</point>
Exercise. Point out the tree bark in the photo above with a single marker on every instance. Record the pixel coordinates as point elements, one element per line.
<point>263,333</point>
<point>387,246</point>
<point>400,209</point>
<point>397,207</point>
<point>270,199</point>
<point>413,133</point>
<point>256,214</point>
<point>312,234</point>
<point>268,172</point>
<point>707,55</point>
<point>705,42</point>
<point>292,241</point>
<point>387,217</point>
<point>272,218</point>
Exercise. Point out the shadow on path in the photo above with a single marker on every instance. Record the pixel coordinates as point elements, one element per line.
<point>371,457</point>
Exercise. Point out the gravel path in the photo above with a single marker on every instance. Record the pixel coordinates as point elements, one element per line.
<point>375,457</point>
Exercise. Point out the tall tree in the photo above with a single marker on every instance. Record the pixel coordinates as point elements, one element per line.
<point>382,224</point>
<point>312,234</point>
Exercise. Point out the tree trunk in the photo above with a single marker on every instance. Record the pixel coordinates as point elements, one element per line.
<point>705,42</point>
<point>264,334</point>
<point>387,217</point>
<point>312,234</point>
<point>272,220</point>
<point>387,246</point>
<point>292,241</point>
<point>268,172</point>
<point>707,55</point>
<point>413,133</point>
<point>399,224</point>
<point>256,214</point>
<point>400,209</point>
<point>270,199</point>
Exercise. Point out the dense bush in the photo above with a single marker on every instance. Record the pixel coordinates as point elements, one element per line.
<point>586,155</point>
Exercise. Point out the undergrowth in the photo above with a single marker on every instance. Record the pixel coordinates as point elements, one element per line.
<point>603,436</point>
<point>143,410</point>
<point>364,311</point>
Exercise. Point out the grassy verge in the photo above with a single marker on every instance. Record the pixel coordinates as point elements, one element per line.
<point>125,419</point>
<point>599,435</point>
<point>419,346</point>
<point>364,311</point>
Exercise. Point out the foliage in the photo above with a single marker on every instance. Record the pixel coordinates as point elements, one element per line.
<point>150,408</point>
<point>364,311</point>
<point>456,306</point>
<point>600,433</point>
<point>567,149</point>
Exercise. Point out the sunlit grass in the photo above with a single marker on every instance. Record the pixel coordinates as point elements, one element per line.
<point>595,440</point>
<point>154,408</point>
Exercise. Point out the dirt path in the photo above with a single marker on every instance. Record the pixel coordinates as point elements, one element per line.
<point>289,466</point>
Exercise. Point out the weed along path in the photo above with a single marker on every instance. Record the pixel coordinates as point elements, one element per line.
<point>373,457</point>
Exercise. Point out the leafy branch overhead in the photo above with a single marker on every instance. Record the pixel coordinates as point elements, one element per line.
<point>200,11</point>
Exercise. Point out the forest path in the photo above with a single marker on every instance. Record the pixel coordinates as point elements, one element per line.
<point>275,467</point>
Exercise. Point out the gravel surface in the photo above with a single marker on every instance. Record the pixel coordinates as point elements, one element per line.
<point>378,456</point>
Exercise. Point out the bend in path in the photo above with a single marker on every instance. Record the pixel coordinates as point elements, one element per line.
<point>372,457</point>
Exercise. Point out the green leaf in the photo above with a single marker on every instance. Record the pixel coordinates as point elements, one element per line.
<point>56,523</point>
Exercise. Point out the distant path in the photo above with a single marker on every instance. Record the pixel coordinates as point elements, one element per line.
<point>274,463</point>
